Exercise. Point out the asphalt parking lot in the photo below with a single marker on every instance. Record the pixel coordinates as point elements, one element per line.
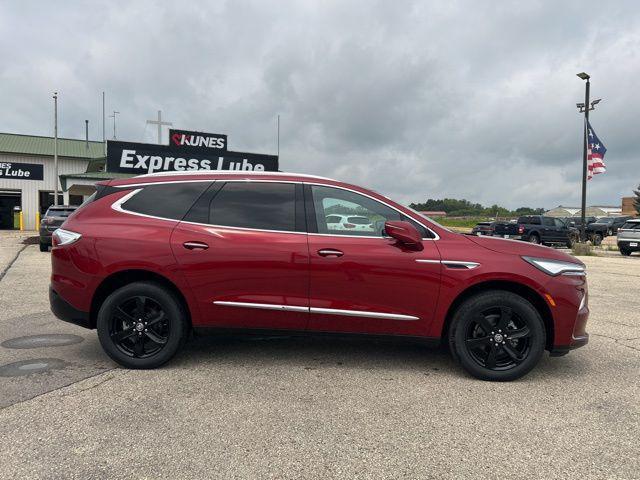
<point>292,408</point>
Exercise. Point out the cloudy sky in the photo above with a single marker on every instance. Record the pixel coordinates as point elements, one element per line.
<point>468,100</point>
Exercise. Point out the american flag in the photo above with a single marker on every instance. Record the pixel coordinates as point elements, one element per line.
<point>595,154</point>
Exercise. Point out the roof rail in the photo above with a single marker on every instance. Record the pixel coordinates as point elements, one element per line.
<point>228,172</point>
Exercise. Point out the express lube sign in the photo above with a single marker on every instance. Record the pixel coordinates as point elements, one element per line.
<point>21,171</point>
<point>186,151</point>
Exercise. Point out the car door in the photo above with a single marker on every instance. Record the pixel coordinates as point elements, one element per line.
<point>243,250</point>
<point>362,281</point>
<point>561,231</point>
<point>549,230</point>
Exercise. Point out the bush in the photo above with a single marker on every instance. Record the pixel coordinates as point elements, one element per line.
<point>583,250</point>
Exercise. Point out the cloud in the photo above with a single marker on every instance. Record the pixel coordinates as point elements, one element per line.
<point>413,99</point>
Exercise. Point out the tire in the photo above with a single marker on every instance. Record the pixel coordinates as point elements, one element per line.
<point>625,252</point>
<point>597,239</point>
<point>534,238</point>
<point>476,349</point>
<point>609,232</point>
<point>133,343</point>
<point>44,247</point>
<point>569,243</point>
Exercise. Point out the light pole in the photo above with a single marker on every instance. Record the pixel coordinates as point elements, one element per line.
<point>55,147</point>
<point>114,123</point>
<point>585,108</point>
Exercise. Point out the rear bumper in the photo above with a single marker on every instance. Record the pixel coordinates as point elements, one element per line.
<point>627,244</point>
<point>66,312</point>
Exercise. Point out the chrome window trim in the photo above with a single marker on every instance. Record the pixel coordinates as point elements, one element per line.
<point>117,206</point>
<point>323,311</point>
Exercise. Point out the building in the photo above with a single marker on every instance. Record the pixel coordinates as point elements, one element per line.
<point>27,176</point>
<point>592,211</point>
<point>629,206</point>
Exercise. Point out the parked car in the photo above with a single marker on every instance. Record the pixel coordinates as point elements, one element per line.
<point>604,227</point>
<point>483,228</point>
<point>538,229</point>
<point>577,221</point>
<point>150,258</point>
<point>629,237</point>
<point>51,221</point>
<point>349,222</point>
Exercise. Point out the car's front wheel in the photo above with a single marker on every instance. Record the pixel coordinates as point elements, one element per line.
<point>497,335</point>
<point>142,325</point>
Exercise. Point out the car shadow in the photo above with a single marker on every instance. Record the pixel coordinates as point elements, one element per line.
<point>314,353</point>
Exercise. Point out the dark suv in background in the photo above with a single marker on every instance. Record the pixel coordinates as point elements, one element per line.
<point>604,227</point>
<point>538,229</point>
<point>52,220</point>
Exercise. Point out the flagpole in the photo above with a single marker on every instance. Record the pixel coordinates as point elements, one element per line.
<point>583,225</point>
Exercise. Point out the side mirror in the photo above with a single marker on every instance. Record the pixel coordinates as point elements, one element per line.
<point>405,233</point>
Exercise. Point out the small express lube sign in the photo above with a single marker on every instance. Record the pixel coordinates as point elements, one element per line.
<point>187,150</point>
<point>21,171</point>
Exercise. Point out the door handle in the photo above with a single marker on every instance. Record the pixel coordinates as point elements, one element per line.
<point>330,252</point>
<point>195,245</point>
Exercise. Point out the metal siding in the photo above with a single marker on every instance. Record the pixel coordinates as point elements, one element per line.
<point>30,188</point>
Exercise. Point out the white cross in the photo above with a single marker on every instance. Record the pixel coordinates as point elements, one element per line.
<point>159,123</point>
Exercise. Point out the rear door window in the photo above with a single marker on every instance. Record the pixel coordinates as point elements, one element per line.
<point>171,200</point>
<point>258,205</point>
<point>631,226</point>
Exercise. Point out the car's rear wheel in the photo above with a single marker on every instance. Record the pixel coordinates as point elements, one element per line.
<point>142,325</point>
<point>44,247</point>
<point>497,335</point>
<point>534,238</point>
<point>625,252</point>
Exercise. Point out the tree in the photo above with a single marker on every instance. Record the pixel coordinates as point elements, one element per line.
<point>636,202</point>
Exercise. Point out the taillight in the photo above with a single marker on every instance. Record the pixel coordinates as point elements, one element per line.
<point>64,237</point>
<point>520,229</point>
<point>349,225</point>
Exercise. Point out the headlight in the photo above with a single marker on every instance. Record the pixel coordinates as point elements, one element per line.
<point>65,237</point>
<point>556,267</point>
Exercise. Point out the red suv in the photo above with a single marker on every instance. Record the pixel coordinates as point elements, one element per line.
<point>148,259</point>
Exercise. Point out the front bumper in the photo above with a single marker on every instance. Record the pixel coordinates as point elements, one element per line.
<point>66,312</point>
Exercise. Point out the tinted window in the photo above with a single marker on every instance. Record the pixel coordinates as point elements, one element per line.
<point>559,223</point>
<point>548,222</point>
<point>631,226</point>
<point>267,206</point>
<point>369,215</point>
<point>171,200</point>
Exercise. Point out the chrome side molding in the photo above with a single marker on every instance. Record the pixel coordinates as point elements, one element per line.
<point>324,311</point>
<point>452,264</point>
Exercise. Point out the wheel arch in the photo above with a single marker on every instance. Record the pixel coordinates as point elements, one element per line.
<point>520,289</point>
<point>124,277</point>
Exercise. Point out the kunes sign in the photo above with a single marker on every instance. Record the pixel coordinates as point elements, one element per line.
<point>186,151</point>
<point>188,139</point>
<point>21,171</point>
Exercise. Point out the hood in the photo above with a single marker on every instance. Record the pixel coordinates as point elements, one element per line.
<point>517,247</point>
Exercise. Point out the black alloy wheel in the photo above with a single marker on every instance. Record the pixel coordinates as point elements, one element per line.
<point>142,325</point>
<point>139,327</point>
<point>497,339</point>
<point>497,335</point>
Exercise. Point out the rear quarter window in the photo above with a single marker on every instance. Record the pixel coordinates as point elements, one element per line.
<point>170,200</point>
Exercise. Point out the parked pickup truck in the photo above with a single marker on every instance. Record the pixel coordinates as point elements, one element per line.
<point>538,229</point>
<point>604,227</point>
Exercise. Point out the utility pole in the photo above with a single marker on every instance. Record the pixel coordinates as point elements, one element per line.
<point>585,108</point>
<point>55,147</point>
<point>159,123</point>
<point>86,134</point>
<point>114,123</point>
<point>104,137</point>
<point>278,135</point>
